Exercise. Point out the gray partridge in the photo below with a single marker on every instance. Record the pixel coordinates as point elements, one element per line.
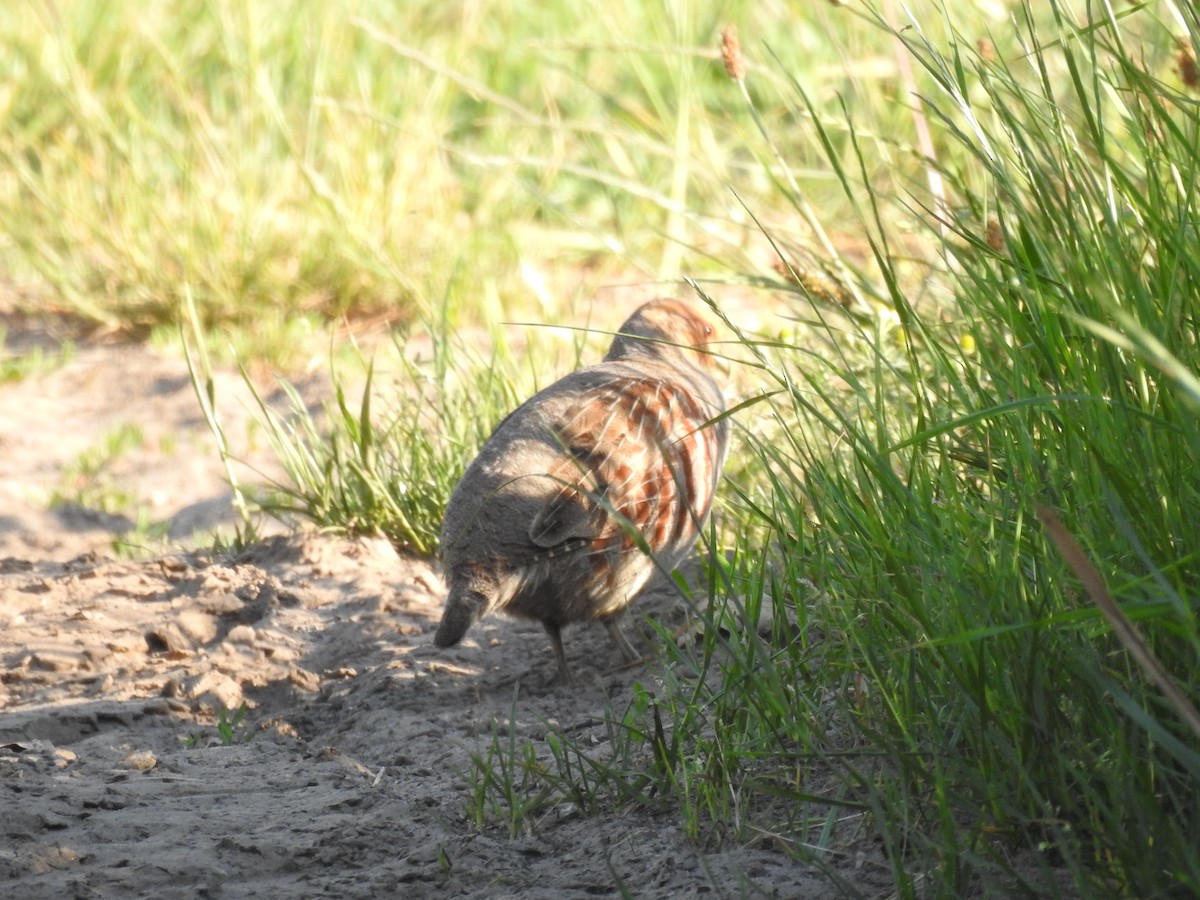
<point>556,518</point>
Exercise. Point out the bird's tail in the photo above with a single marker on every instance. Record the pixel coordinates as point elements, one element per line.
<point>463,609</point>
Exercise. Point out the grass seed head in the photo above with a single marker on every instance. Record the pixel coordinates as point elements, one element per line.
<point>731,53</point>
<point>1186,61</point>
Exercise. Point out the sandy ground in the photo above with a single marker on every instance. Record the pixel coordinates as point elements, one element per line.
<point>349,775</point>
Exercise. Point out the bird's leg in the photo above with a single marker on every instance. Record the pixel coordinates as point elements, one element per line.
<point>618,637</point>
<point>555,632</point>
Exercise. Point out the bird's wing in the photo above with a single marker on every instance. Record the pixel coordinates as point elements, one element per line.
<point>594,432</point>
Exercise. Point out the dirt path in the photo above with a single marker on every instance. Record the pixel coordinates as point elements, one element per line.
<point>348,776</point>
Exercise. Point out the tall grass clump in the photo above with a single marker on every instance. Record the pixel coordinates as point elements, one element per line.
<point>972,634</point>
<point>1011,741</point>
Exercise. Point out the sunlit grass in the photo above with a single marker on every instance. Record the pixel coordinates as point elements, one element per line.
<point>312,161</point>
